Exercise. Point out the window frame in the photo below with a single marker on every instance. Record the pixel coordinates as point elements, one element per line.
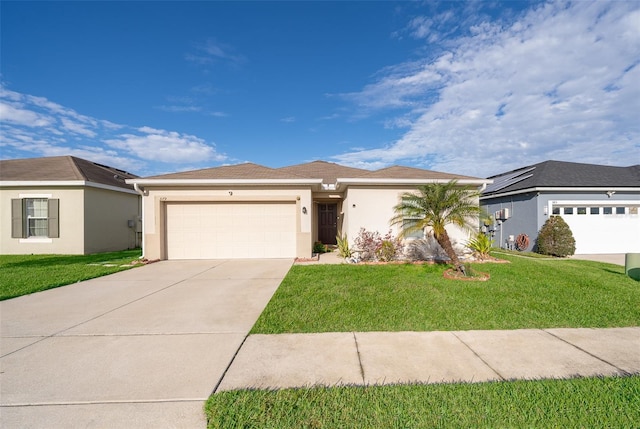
<point>21,225</point>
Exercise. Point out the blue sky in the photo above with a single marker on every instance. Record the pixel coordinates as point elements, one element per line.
<point>474,88</point>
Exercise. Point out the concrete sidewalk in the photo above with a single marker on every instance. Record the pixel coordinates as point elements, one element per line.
<point>374,358</point>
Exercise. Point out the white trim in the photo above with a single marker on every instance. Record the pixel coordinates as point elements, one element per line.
<point>599,203</point>
<point>64,183</point>
<point>205,182</point>
<point>370,181</point>
<point>602,189</point>
<point>36,240</point>
<point>42,183</point>
<point>589,203</point>
<point>35,195</point>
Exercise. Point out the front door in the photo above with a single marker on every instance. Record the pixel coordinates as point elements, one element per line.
<point>327,223</point>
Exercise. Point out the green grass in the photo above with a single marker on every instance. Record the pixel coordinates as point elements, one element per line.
<point>526,293</point>
<point>25,274</point>
<point>610,402</point>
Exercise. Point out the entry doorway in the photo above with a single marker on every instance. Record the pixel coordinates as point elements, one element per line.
<point>327,223</point>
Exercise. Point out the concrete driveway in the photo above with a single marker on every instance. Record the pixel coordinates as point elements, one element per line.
<point>140,348</point>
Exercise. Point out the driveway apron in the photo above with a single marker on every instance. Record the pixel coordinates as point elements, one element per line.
<point>140,348</point>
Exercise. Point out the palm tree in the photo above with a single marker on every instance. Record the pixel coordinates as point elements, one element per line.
<point>435,206</point>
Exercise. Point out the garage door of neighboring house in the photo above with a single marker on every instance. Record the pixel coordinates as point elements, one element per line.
<point>230,230</point>
<point>602,228</point>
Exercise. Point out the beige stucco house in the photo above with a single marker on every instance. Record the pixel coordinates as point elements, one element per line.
<point>66,205</point>
<point>252,211</point>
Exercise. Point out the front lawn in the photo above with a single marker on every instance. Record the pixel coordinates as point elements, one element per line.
<point>25,274</point>
<point>526,293</point>
<point>611,402</point>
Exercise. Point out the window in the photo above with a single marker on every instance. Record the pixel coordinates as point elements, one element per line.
<point>37,224</point>
<point>34,217</point>
<point>582,210</point>
<point>607,210</point>
<point>568,210</point>
<point>556,211</point>
<point>408,223</point>
<point>594,210</point>
<point>620,210</point>
<point>412,215</point>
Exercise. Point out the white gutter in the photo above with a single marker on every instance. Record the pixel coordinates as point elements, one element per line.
<point>142,194</point>
<point>371,181</point>
<point>562,189</point>
<point>208,182</point>
<point>64,183</point>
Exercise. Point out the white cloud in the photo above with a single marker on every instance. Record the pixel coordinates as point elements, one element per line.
<point>212,50</point>
<point>179,108</point>
<point>35,126</point>
<point>288,119</point>
<point>77,128</point>
<point>20,116</point>
<point>560,82</point>
<point>165,146</point>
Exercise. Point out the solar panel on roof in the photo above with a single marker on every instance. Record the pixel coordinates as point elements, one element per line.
<point>508,180</point>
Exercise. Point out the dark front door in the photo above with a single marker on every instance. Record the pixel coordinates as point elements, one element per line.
<point>327,223</point>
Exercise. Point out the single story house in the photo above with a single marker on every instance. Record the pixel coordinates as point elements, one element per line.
<point>599,203</point>
<point>66,205</point>
<point>252,211</point>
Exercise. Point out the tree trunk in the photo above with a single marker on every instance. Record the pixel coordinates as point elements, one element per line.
<point>444,241</point>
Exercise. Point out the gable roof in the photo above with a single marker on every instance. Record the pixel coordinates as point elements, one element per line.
<point>560,174</point>
<point>325,175</point>
<point>402,172</point>
<point>327,171</point>
<point>62,169</point>
<point>238,172</point>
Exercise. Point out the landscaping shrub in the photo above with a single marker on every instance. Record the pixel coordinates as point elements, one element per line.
<point>555,238</point>
<point>480,245</point>
<point>425,249</point>
<point>374,247</point>
<point>318,247</point>
<point>343,246</point>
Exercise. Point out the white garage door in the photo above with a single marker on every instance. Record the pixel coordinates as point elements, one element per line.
<point>231,230</point>
<point>598,228</point>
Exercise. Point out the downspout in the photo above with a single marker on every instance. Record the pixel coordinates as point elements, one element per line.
<point>142,194</point>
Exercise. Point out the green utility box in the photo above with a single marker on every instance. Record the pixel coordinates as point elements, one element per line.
<point>632,265</point>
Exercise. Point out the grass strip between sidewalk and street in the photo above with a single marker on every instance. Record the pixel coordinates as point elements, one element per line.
<point>525,293</point>
<point>575,403</point>
<point>25,274</point>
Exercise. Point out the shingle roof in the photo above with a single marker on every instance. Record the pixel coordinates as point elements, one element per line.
<point>62,168</point>
<point>402,172</point>
<point>239,171</point>
<point>558,174</point>
<point>327,171</point>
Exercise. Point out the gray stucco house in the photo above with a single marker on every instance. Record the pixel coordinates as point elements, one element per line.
<point>599,203</point>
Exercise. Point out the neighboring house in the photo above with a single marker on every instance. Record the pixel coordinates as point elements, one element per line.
<point>252,211</point>
<point>599,203</point>
<point>66,205</point>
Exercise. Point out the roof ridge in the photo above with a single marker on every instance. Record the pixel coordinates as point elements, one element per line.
<point>76,168</point>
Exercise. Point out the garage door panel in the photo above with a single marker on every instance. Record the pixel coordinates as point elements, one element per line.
<point>604,233</point>
<point>230,230</point>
